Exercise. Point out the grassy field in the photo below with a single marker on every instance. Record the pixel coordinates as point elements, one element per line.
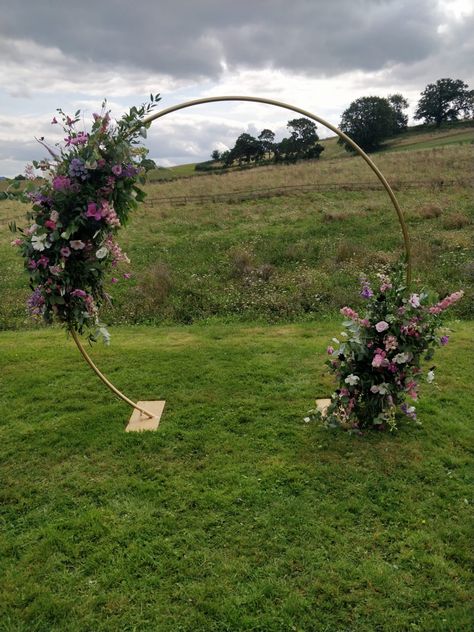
<point>293,255</point>
<point>235,515</point>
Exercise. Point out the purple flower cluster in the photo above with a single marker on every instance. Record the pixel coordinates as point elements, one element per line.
<point>77,169</point>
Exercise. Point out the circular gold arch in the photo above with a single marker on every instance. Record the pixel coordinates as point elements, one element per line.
<point>287,106</point>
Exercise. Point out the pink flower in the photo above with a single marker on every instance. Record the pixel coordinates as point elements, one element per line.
<point>42,261</point>
<point>16,242</point>
<point>54,216</point>
<point>414,300</point>
<point>94,211</point>
<point>127,275</point>
<point>379,358</point>
<point>330,350</point>
<point>65,252</point>
<point>381,326</point>
<point>349,313</point>
<point>50,224</point>
<point>61,183</point>
<point>117,170</point>
<point>79,293</point>
<point>444,340</point>
<point>113,280</point>
<point>390,343</point>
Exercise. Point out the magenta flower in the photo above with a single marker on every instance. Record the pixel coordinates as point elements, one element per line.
<point>127,275</point>
<point>444,340</point>
<point>50,224</point>
<point>79,293</point>
<point>94,211</point>
<point>330,350</point>
<point>61,183</point>
<point>65,252</point>
<point>113,280</point>
<point>117,170</point>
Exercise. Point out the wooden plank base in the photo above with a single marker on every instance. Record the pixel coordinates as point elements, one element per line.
<point>139,421</point>
<point>321,405</point>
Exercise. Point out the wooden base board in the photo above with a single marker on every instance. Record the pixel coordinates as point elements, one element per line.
<point>139,421</point>
<point>321,405</point>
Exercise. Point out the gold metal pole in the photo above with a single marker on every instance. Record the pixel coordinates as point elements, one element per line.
<point>105,380</point>
<point>318,119</point>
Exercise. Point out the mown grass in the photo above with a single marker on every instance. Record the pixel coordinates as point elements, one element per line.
<point>235,515</point>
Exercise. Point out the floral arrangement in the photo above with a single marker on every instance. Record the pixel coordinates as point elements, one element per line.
<point>378,361</point>
<point>87,190</point>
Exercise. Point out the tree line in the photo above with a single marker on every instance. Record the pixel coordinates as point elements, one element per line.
<point>301,144</point>
<point>368,121</point>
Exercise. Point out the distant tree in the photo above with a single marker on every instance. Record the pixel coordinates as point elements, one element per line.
<point>398,103</point>
<point>216,155</point>
<point>302,143</point>
<point>267,138</point>
<point>368,121</point>
<point>247,148</point>
<point>445,100</point>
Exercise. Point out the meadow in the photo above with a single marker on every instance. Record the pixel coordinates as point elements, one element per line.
<point>236,515</point>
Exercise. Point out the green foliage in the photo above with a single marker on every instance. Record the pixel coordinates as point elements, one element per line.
<point>370,120</point>
<point>445,100</point>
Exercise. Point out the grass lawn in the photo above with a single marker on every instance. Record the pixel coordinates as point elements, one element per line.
<point>235,515</point>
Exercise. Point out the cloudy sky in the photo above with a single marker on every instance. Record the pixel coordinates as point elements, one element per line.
<point>315,54</point>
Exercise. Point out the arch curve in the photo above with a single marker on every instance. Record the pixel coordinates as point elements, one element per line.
<point>293,108</point>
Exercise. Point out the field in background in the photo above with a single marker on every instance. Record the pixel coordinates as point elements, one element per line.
<point>281,243</point>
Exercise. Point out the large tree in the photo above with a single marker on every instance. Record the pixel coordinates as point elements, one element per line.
<point>267,138</point>
<point>398,103</point>
<point>368,121</point>
<point>445,100</point>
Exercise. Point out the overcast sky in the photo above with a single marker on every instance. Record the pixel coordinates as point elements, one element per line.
<point>315,54</point>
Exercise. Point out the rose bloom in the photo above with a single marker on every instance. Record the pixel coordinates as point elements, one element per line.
<point>381,326</point>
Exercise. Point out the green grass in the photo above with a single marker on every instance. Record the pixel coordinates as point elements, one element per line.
<point>235,515</point>
<point>286,258</point>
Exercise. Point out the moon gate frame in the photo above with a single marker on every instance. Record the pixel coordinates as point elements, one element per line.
<point>141,410</point>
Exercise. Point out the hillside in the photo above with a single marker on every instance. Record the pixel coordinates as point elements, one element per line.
<point>416,137</point>
<point>280,243</point>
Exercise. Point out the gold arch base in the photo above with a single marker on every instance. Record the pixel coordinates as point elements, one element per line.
<point>146,414</point>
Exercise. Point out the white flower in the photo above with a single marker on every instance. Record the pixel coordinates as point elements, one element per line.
<point>77,244</point>
<point>306,420</point>
<point>351,379</point>
<point>102,252</point>
<point>430,376</point>
<point>414,300</point>
<point>38,242</point>
<point>401,358</point>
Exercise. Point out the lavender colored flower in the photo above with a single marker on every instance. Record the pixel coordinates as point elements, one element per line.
<point>366,291</point>
<point>77,169</point>
<point>444,340</point>
<point>35,302</point>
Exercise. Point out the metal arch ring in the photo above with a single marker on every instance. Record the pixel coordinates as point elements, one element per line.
<point>310,115</point>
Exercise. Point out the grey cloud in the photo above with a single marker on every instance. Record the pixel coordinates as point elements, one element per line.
<point>193,38</point>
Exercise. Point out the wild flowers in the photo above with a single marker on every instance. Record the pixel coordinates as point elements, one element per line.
<point>90,187</point>
<point>378,364</point>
